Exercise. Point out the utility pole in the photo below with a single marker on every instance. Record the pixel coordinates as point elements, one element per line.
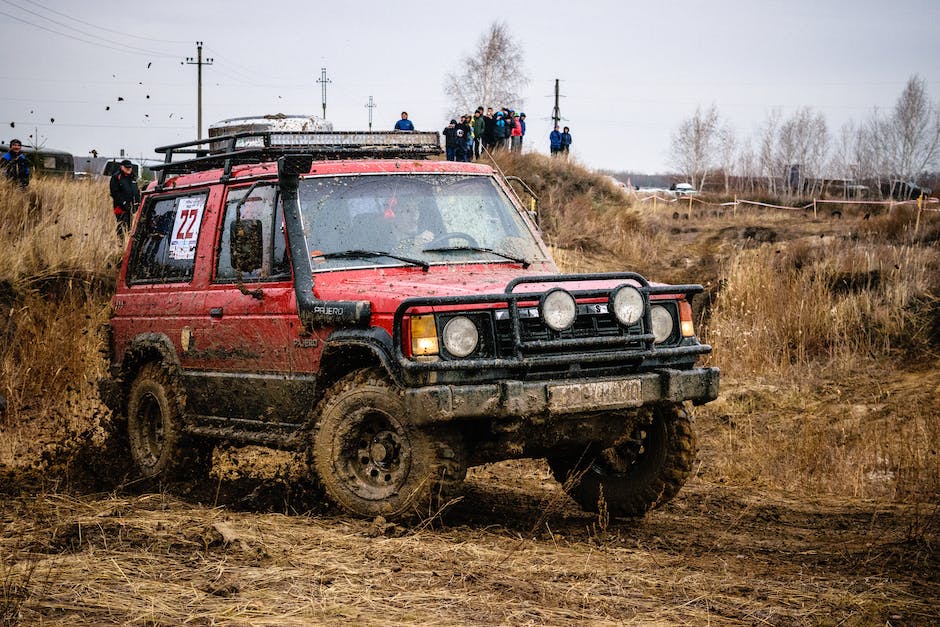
<point>370,106</point>
<point>198,62</point>
<point>556,112</point>
<point>323,80</point>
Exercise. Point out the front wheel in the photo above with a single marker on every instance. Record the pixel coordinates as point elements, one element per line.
<point>372,461</point>
<point>640,472</point>
<point>159,449</point>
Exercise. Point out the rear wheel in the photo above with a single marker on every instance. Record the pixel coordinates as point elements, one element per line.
<point>372,461</point>
<point>159,449</point>
<point>642,471</point>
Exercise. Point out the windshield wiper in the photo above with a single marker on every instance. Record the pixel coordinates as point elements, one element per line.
<point>366,254</point>
<point>479,249</point>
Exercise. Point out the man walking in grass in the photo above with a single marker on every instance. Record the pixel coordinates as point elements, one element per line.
<point>125,194</point>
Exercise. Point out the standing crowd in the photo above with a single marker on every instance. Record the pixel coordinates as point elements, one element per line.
<point>484,130</point>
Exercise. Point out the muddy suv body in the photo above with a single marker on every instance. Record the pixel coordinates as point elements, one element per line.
<point>396,317</point>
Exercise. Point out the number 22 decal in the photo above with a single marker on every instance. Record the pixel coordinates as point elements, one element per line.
<point>187,220</point>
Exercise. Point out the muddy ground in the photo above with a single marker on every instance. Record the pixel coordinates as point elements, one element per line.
<point>513,550</point>
<point>258,545</point>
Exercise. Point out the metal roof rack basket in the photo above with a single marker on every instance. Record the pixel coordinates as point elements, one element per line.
<point>226,151</point>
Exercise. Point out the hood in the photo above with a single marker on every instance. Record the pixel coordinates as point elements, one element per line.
<point>386,288</point>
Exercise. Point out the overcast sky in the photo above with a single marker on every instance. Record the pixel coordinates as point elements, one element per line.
<point>110,73</point>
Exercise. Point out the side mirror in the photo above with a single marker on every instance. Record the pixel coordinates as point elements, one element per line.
<point>245,242</point>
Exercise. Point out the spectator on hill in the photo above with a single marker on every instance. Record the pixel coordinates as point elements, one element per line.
<point>521,129</point>
<point>15,165</point>
<point>404,124</point>
<point>554,141</point>
<point>125,195</point>
<point>479,126</point>
<point>489,130</point>
<point>515,132</point>
<point>450,140</point>
<point>464,139</point>
<point>565,141</point>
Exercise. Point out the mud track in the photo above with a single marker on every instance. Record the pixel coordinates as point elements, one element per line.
<point>512,550</point>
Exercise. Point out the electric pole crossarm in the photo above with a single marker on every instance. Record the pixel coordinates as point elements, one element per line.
<point>198,62</point>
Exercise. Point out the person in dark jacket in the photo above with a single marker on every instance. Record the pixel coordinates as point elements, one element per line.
<point>15,165</point>
<point>565,141</point>
<point>489,130</point>
<point>464,150</point>
<point>125,195</point>
<point>450,140</point>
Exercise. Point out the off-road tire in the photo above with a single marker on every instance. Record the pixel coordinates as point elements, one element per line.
<point>158,447</point>
<point>372,461</point>
<point>633,484</point>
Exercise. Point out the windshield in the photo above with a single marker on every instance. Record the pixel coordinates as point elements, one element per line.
<point>423,218</point>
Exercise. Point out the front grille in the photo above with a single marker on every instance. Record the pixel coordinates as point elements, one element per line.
<point>592,322</point>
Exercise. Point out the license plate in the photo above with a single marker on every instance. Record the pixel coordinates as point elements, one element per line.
<point>593,395</point>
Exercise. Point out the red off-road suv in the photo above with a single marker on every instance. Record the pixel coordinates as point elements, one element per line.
<point>396,317</point>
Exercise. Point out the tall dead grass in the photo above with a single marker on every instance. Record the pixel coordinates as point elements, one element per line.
<point>58,257</point>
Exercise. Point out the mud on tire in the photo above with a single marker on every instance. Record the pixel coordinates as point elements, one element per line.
<point>372,461</point>
<point>158,447</point>
<point>644,471</point>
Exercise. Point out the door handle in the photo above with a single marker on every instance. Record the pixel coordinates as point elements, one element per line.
<point>215,312</point>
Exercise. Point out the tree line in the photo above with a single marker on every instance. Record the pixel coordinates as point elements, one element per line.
<point>889,152</point>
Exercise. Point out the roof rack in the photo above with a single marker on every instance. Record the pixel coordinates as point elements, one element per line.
<point>225,151</point>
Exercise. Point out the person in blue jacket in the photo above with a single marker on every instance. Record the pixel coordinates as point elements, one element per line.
<point>404,124</point>
<point>554,141</point>
<point>565,140</point>
<point>15,165</point>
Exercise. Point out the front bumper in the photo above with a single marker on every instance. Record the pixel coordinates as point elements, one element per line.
<point>510,399</point>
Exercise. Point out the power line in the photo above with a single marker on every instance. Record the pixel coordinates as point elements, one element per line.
<point>84,41</point>
<point>109,30</point>
<point>87,34</point>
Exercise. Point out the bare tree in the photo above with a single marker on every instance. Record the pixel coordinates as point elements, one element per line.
<point>770,168</point>
<point>911,134</point>
<point>491,75</point>
<point>693,145</point>
<point>802,146</point>
<point>727,153</point>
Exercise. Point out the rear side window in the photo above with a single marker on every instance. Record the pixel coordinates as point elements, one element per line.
<point>164,247</point>
<point>263,205</point>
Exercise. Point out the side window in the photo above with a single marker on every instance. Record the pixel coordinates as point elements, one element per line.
<point>164,248</point>
<point>263,204</point>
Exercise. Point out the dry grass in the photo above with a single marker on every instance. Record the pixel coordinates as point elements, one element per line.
<point>831,396</point>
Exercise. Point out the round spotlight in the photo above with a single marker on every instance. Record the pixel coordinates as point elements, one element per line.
<point>461,336</point>
<point>663,323</point>
<point>627,305</point>
<point>558,309</point>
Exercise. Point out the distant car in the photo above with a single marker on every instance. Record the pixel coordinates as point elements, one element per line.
<point>683,189</point>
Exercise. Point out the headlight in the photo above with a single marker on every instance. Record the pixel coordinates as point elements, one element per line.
<point>461,336</point>
<point>663,324</point>
<point>558,309</point>
<point>627,305</point>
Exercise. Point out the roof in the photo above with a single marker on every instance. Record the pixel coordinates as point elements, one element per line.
<point>255,147</point>
<point>334,167</point>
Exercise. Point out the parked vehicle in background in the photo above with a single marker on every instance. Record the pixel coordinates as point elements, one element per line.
<point>397,318</point>
<point>683,189</point>
<point>105,167</point>
<point>47,161</point>
<point>904,190</point>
